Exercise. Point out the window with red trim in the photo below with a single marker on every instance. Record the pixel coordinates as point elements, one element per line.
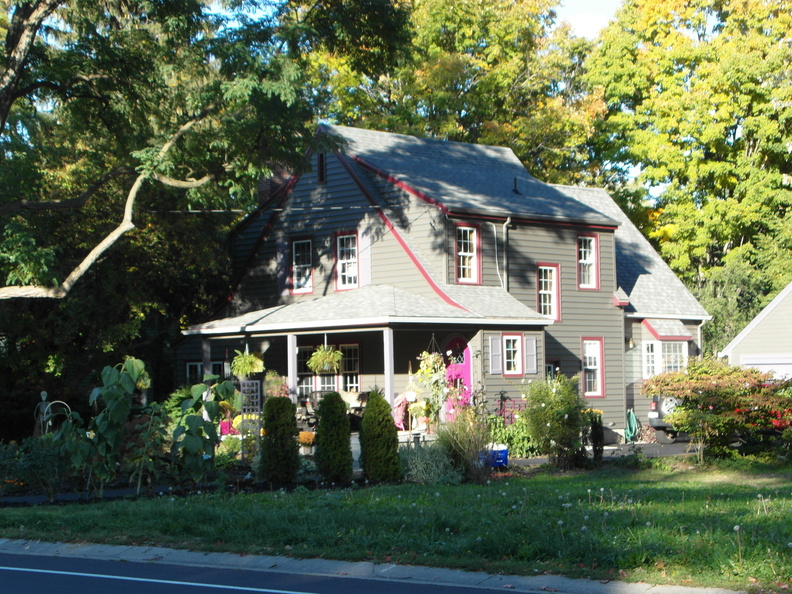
<point>588,261</point>
<point>593,371</point>
<point>468,261</point>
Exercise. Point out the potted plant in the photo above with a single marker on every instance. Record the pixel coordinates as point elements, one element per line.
<point>247,363</point>
<point>306,439</point>
<point>325,359</point>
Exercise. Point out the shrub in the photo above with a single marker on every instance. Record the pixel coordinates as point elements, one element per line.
<point>42,465</point>
<point>333,455</point>
<point>464,439</point>
<point>379,441</point>
<point>279,460</point>
<point>428,465</point>
<point>594,432</point>
<point>515,436</point>
<point>554,418</point>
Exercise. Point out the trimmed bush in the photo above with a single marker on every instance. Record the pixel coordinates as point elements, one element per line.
<point>333,455</point>
<point>279,461</point>
<point>379,441</point>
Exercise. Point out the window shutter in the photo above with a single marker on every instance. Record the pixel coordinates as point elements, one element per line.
<point>496,356</point>
<point>530,355</point>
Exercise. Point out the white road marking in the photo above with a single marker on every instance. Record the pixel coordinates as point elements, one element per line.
<point>152,581</point>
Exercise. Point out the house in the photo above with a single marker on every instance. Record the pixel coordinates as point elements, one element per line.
<point>393,245</point>
<point>766,342</point>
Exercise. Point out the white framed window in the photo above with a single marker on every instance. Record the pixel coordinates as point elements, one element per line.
<point>302,266</point>
<point>347,261</point>
<point>592,360</point>
<point>588,273</point>
<point>660,356</point>
<point>512,354</point>
<point>350,368</point>
<point>467,264</point>
<point>195,372</point>
<point>547,290</point>
<point>305,377</point>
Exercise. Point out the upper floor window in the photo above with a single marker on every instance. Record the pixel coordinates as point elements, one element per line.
<point>662,356</point>
<point>467,257</point>
<point>302,266</point>
<point>547,290</point>
<point>588,267</point>
<point>347,261</point>
<point>593,367</point>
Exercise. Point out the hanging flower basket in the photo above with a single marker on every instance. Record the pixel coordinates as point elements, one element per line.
<point>325,359</point>
<point>247,363</point>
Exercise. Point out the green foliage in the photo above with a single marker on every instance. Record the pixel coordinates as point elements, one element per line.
<point>333,455</point>
<point>594,432</point>
<point>515,436</point>
<point>464,439</point>
<point>144,456</point>
<point>698,99</point>
<point>717,401</point>
<point>42,465</point>
<point>279,460</point>
<point>429,465</point>
<point>554,418</point>
<point>195,436</point>
<point>379,441</point>
<point>325,359</point>
<point>247,363</point>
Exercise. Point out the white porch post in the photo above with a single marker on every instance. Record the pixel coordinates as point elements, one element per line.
<point>387,340</point>
<point>291,365</point>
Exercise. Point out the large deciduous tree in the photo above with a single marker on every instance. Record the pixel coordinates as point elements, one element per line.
<point>149,123</point>
<point>486,71</point>
<point>699,98</point>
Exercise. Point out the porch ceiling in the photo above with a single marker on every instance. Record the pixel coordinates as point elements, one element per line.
<point>380,305</point>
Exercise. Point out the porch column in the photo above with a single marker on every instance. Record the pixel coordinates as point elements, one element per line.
<point>387,340</point>
<point>291,365</point>
<point>206,356</point>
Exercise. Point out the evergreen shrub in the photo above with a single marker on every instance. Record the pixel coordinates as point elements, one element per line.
<point>279,459</point>
<point>379,441</point>
<point>333,455</point>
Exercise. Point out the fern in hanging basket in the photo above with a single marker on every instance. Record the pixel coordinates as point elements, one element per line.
<point>246,364</point>
<point>325,359</point>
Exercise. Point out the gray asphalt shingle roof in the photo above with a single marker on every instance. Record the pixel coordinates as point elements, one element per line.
<point>651,285</point>
<point>379,304</point>
<point>467,177</point>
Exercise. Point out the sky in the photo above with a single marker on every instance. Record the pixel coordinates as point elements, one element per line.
<point>587,17</point>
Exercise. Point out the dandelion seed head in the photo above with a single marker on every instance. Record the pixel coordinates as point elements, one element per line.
<point>736,528</point>
<point>560,522</point>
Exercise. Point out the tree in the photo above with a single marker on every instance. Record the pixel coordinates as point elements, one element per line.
<point>485,71</point>
<point>699,99</point>
<point>379,441</point>
<point>333,449</point>
<point>146,126</point>
<point>211,100</point>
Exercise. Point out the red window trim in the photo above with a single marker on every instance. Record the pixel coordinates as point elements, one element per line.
<point>290,281</point>
<point>601,342</point>
<point>337,282</point>
<point>477,263</point>
<point>520,355</point>
<point>595,237</point>
<point>557,267</point>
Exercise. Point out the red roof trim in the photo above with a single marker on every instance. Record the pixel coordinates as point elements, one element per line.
<point>435,287</point>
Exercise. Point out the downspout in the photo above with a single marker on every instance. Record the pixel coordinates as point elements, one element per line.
<point>505,280</point>
<point>497,258</point>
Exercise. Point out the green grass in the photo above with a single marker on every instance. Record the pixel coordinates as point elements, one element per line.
<point>671,525</point>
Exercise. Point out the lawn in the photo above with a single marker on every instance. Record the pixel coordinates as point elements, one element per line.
<point>723,525</point>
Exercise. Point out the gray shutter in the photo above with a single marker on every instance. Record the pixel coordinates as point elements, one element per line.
<point>496,357</point>
<point>530,355</point>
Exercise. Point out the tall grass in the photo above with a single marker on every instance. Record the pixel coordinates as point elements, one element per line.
<point>662,526</point>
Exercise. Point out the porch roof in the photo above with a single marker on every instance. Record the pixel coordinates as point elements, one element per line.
<point>380,305</point>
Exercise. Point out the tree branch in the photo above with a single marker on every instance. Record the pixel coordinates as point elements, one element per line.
<point>126,224</point>
<point>183,184</point>
<point>70,203</point>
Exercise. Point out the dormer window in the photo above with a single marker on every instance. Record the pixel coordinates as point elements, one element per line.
<point>467,255</point>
